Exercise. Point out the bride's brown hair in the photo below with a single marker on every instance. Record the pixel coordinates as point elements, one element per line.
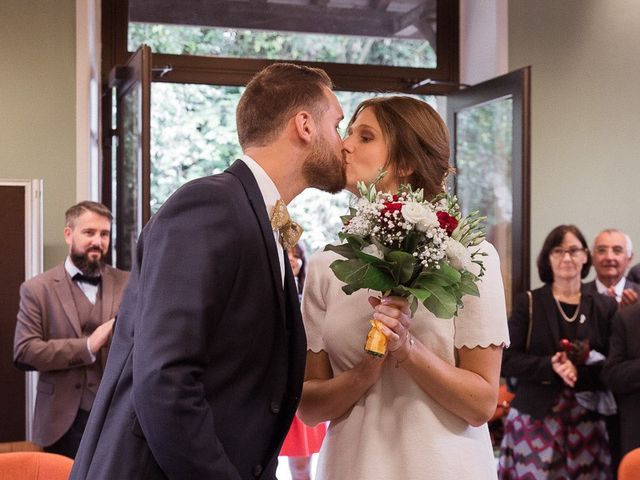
<point>417,139</point>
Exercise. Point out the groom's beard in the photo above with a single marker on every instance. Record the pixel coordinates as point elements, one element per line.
<point>89,266</point>
<point>323,169</point>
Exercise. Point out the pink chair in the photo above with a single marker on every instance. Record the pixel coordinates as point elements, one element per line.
<point>34,466</point>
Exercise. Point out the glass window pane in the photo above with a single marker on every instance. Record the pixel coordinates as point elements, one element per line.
<point>129,202</point>
<point>392,33</point>
<point>483,178</point>
<point>193,134</point>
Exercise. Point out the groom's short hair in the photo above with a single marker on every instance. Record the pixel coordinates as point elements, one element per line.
<point>274,95</point>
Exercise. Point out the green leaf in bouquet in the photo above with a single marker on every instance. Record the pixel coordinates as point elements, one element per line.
<point>370,258</point>
<point>441,303</point>
<point>449,272</point>
<point>355,241</point>
<point>443,276</point>
<point>468,284</point>
<point>420,293</point>
<point>361,274</point>
<point>410,242</point>
<point>401,264</point>
<point>343,250</point>
<point>413,306</point>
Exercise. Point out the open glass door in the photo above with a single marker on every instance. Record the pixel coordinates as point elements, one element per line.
<point>489,125</point>
<point>130,85</point>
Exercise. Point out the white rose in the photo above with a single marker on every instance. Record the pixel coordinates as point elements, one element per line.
<point>420,215</point>
<point>373,250</point>
<point>458,255</point>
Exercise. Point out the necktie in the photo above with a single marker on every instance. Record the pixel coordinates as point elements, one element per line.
<point>611,292</point>
<point>289,230</point>
<point>79,277</point>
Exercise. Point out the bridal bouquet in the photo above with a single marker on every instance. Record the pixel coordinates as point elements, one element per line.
<point>400,244</point>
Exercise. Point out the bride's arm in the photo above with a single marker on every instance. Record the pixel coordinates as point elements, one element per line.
<point>325,397</point>
<point>468,389</point>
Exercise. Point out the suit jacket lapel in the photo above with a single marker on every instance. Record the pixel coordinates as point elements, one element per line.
<point>107,286</point>
<point>61,287</point>
<point>551,311</point>
<point>240,170</point>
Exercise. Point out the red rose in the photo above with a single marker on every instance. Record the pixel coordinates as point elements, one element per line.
<point>447,222</point>
<point>565,345</point>
<point>391,207</point>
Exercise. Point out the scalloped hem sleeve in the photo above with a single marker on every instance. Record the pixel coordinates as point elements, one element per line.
<point>314,307</point>
<point>483,320</point>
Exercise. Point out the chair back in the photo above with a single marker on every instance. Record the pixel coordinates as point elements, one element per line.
<point>504,403</point>
<point>629,468</point>
<point>34,466</point>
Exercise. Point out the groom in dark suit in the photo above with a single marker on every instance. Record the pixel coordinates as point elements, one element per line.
<point>207,358</point>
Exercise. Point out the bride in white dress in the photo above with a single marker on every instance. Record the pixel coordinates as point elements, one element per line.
<point>421,411</point>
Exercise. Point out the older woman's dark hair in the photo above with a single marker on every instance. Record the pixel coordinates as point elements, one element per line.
<point>553,240</point>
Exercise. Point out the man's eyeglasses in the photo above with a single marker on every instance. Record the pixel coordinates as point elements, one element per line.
<point>615,250</point>
<point>573,252</point>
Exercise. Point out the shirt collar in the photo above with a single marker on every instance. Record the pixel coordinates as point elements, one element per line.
<point>618,287</point>
<point>268,189</point>
<point>70,267</point>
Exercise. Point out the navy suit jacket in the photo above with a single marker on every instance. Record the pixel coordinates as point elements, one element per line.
<point>621,373</point>
<point>207,359</point>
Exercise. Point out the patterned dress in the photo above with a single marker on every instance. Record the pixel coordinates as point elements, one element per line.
<point>570,442</point>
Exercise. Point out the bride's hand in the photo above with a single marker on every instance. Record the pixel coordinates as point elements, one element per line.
<point>370,368</point>
<point>395,315</point>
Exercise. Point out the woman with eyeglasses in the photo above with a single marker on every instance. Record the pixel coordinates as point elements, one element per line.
<point>559,337</point>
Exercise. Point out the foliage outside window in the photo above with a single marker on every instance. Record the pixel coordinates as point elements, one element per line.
<point>304,47</point>
<point>193,131</point>
<point>193,134</point>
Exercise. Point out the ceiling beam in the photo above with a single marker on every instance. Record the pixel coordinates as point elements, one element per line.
<point>272,16</point>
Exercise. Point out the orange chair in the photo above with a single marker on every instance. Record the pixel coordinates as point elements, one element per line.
<point>34,466</point>
<point>504,403</point>
<point>629,468</point>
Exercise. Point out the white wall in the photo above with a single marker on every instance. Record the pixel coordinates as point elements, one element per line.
<point>38,106</point>
<point>585,112</point>
<point>483,40</point>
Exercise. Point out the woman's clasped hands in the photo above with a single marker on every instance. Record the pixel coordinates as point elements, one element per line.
<point>565,369</point>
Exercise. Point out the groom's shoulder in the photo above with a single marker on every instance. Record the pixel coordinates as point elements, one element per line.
<point>220,184</point>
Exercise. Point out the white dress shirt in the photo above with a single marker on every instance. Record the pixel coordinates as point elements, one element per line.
<point>90,291</point>
<point>618,288</point>
<point>270,196</point>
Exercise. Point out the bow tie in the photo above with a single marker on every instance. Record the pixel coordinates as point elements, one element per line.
<point>289,230</point>
<point>79,277</point>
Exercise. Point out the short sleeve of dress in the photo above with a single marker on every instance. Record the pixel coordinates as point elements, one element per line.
<point>313,300</point>
<point>483,320</point>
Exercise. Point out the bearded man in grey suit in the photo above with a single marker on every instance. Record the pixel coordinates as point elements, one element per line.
<point>207,360</point>
<point>64,325</point>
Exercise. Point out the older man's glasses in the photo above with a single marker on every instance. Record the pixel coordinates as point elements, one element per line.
<point>574,252</point>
